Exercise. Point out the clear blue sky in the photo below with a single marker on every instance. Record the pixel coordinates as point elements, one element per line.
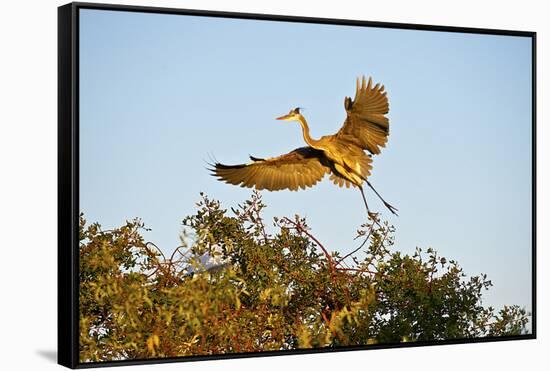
<point>159,94</point>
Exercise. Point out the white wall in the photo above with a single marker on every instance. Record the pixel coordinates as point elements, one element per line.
<point>28,181</point>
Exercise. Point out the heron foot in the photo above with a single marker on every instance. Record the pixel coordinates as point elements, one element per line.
<point>391,208</point>
<point>373,215</point>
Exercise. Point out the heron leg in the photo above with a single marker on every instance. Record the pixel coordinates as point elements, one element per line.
<point>390,207</point>
<point>369,213</point>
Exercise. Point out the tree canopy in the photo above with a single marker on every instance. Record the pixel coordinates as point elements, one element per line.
<point>238,284</point>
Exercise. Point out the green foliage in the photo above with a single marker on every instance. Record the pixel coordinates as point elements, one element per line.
<point>260,291</point>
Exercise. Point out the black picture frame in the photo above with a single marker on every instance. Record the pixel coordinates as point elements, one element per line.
<point>68,178</point>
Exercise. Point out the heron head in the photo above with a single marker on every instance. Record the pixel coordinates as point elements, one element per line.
<point>293,115</point>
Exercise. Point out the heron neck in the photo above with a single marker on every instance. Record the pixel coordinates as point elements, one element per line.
<point>305,131</point>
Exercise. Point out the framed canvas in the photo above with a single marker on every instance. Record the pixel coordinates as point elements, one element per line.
<point>235,185</point>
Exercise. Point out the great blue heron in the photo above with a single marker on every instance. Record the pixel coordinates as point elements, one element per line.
<point>341,155</point>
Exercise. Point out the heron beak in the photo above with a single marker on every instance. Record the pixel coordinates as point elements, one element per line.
<point>284,117</point>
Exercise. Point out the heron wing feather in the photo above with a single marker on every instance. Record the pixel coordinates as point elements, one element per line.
<point>300,168</point>
<point>366,124</point>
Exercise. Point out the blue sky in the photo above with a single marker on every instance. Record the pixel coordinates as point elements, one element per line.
<point>160,94</point>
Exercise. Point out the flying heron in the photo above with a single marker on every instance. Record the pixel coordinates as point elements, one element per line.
<point>341,155</point>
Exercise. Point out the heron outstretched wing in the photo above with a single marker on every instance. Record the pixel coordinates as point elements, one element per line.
<point>301,168</point>
<point>366,124</point>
